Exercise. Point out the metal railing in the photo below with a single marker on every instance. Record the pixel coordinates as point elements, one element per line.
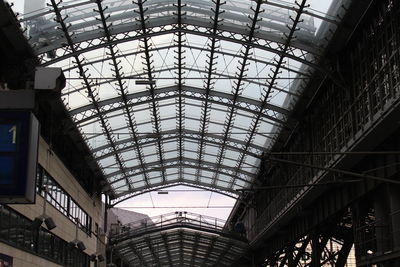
<point>172,220</point>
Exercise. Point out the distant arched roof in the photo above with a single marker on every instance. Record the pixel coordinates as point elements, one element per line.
<point>221,78</point>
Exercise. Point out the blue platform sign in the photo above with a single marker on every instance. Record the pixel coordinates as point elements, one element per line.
<point>8,152</point>
<point>18,156</point>
<point>8,137</point>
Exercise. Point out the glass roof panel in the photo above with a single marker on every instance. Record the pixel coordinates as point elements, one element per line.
<point>160,90</point>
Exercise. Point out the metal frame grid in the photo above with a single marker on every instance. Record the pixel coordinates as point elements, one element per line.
<point>222,78</point>
<point>177,239</point>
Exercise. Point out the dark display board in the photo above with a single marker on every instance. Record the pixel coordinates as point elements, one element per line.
<point>19,131</point>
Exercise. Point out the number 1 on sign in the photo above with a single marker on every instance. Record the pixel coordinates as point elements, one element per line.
<point>14,133</point>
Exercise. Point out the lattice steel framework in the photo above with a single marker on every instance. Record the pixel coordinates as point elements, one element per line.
<point>176,239</point>
<point>221,78</point>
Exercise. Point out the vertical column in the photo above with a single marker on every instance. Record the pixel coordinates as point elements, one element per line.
<point>316,251</point>
<point>394,194</point>
<point>382,224</point>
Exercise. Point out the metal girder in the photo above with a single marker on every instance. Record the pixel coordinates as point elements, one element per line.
<point>217,76</point>
<point>173,244</point>
<point>188,46</point>
<point>160,22</point>
<point>184,163</point>
<point>149,68</point>
<point>113,166</point>
<point>320,250</point>
<point>214,141</point>
<point>271,82</point>
<point>196,4</point>
<point>196,241</point>
<point>218,190</point>
<point>138,254</point>
<point>173,31</point>
<point>168,134</point>
<point>238,85</point>
<point>240,130</point>
<point>131,123</point>
<point>153,253</point>
<point>164,237</point>
<point>181,248</point>
<point>221,256</point>
<point>180,110</point>
<point>209,250</point>
<point>139,23</point>
<point>82,72</point>
<point>188,92</point>
<point>204,10</point>
<point>189,163</point>
<point>208,86</point>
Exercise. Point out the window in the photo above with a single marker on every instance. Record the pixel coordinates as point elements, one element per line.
<point>16,231</point>
<point>63,202</point>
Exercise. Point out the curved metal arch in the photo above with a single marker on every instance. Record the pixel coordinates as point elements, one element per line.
<point>196,7</point>
<point>220,248</point>
<point>186,135</point>
<point>171,93</point>
<point>230,7</point>
<point>163,22</point>
<point>168,92</point>
<point>171,221</point>
<point>231,194</point>
<point>181,162</point>
<point>154,187</point>
<point>207,186</point>
<point>178,23</point>
<point>95,135</point>
<point>185,46</point>
<point>174,150</point>
<point>103,80</point>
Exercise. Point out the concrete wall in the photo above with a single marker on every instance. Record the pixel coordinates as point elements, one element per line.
<point>65,227</point>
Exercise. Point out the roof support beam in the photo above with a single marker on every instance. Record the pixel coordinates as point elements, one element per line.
<point>270,84</point>
<point>209,250</point>
<point>218,190</point>
<point>190,92</point>
<point>189,136</point>
<point>165,240</point>
<point>151,248</point>
<point>149,69</point>
<point>223,254</point>
<point>138,254</point>
<point>196,245</point>
<point>206,166</point>
<point>220,52</point>
<point>229,120</point>
<point>180,105</point>
<point>146,139</point>
<point>87,82</point>
<point>196,22</point>
<point>209,84</point>
<point>118,74</point>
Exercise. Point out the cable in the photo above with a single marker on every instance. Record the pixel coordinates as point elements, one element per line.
<point>152,202</point>
<point>177,207</point>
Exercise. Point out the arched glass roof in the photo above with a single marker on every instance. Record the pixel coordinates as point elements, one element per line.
<point>181,91</point>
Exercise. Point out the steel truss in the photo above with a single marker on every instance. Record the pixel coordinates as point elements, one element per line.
<point>339,120</point>
<point>329,247</point>
<point>284,34</point>
<point>178,238</point>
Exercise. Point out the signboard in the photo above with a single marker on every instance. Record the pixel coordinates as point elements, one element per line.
<point>19,132</point>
